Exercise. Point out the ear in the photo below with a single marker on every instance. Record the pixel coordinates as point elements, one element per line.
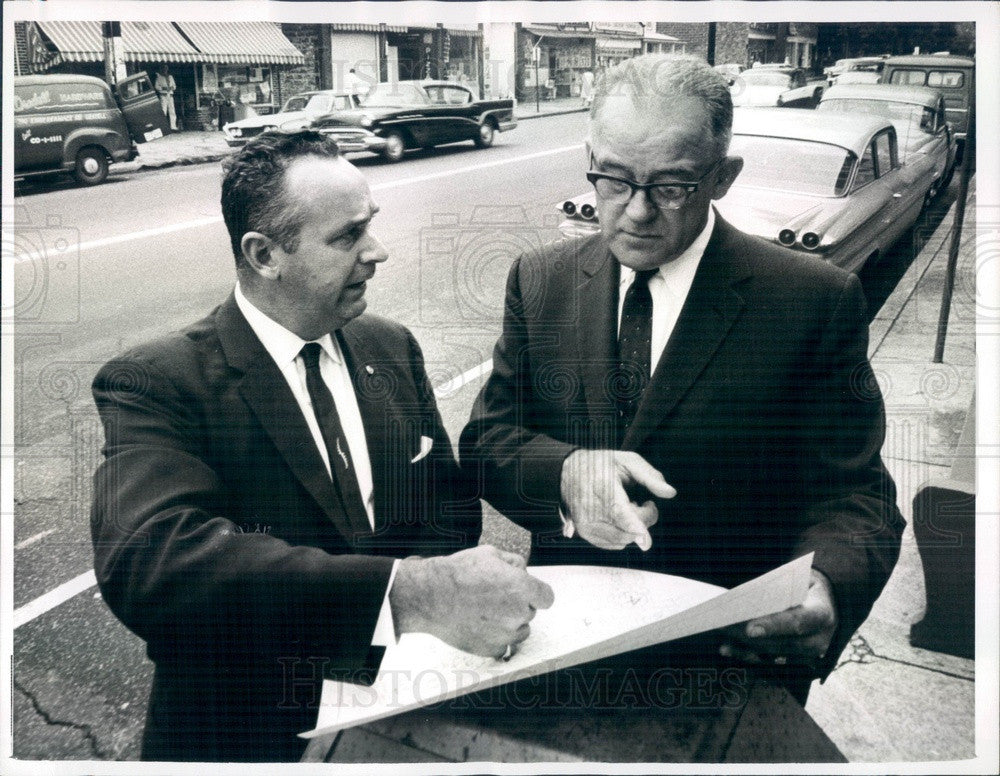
<point>259,253</point>
<point>728,172</point>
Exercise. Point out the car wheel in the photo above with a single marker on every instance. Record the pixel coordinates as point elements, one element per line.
<point>484,138</point>
<point>395,145</point>
<point>91,166</point>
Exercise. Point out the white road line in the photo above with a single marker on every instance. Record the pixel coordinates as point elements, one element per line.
<point>53,598</point>
<point>32,539</point>
<point>64,592</point>
<point>446,389</point>
<point>179,227</point>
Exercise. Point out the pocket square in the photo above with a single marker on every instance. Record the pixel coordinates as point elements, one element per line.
<point>426,443</point>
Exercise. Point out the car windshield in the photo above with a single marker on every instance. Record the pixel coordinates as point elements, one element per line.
<point>298,102</point>
<point>391,95</point>
<point>917,116</point>
<point>798,166</point>
<point>764,78</point>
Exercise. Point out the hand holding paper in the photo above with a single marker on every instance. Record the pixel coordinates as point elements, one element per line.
<point>479,600</point>
<point>592,488</point>
<point>801,634</point>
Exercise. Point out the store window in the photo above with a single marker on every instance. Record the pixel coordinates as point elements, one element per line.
<point>246,87</point>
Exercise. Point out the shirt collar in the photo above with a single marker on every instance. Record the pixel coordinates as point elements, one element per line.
<point>280,343</point>
<point>682,269</point>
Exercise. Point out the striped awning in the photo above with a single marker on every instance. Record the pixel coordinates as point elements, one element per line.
<point>366,28</point>
<point>141,41</point>
<point>241,43</point>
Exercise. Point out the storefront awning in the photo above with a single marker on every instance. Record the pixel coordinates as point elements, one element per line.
<point>548,32</point>
<point>241,43</point>
<point>366,28</point>
<point>618,46</point>
<point>142,42</point>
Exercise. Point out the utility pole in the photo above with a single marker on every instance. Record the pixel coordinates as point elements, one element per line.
<point>114,62</point>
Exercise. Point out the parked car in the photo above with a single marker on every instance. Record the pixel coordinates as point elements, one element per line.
<point>418,114</point>
<point>77,124</point>
<point>917,112</point>
<point>297,112</point>
<point>829,185</point>
<point>731,71</point>
<point>953,76</point>
<point>775,85</point>
<point>855,70</point>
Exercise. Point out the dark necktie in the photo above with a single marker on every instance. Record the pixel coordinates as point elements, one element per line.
<point>341,466</point>
<point>635,337</point>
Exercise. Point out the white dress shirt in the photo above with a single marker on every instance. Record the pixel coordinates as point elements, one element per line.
<point>284,347</point>
<point>669,289</point>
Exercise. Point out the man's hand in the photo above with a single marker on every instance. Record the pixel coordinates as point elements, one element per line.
<point>479,600</point>
<point>799,635</point>
<point>594,498</point>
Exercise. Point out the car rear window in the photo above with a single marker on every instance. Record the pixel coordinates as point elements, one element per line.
<point>946,79</point>
<point>908,77</point>
<point>799,166</point>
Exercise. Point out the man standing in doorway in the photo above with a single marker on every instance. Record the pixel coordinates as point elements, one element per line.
<point>165,87</point>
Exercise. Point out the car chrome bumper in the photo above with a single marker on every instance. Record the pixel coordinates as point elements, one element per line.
<point>353,138</point>
<point>507,126</point>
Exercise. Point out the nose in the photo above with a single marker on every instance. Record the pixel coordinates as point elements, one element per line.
<point>640,208</point>
<point>373,252</point>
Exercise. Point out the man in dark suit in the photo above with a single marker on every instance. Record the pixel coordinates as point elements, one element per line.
<point>267,467</point>
<point>677,396</point>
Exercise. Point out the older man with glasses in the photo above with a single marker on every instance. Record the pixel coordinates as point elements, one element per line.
<point>677,396</point>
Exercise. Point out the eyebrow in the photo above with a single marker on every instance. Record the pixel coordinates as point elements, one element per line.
<point>353,224</point>
<point>674,173</point>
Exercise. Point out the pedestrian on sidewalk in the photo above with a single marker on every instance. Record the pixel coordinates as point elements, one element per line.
<point>587,88</point>
<point>165,87</point>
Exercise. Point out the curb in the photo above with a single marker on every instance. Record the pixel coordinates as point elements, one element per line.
<point>551,113</point>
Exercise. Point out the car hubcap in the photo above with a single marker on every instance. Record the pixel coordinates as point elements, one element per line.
<point>395,146</point>
<point>486,132</point>
<point>91,166</point>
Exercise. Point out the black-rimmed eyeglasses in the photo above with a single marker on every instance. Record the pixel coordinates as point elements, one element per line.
<point>664,195</point>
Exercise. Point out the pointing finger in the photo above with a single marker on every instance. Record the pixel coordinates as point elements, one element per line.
<point>639,470</point>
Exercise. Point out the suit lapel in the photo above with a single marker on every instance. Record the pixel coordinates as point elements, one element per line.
<point>711,307</point>
<point>597,338</point>
<point>269,397</point>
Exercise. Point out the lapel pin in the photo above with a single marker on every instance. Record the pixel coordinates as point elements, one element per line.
<point>369,369</point>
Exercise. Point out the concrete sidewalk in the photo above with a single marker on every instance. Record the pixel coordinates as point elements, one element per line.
<point>888,701</point>
<point>182,148</point>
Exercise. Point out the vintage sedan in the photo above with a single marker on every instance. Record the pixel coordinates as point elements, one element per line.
<point>855,70</point>
<point>829,185</point>
<point>418,114</point>
<point>917,112</point>
<point>297,113</point>
<point>775,85</point>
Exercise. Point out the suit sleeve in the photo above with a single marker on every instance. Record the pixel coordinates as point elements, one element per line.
<point>520,467</point>
<point>851,520</point>
<point>181,576</point>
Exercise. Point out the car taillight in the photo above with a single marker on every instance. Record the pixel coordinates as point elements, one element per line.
<point>810,240</point>
<point>786,237</point>
<point>588,212</point>
<point>569,208</point>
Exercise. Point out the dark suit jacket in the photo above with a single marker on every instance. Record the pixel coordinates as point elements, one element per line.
<point>763,413</point>
<point>220,539</point>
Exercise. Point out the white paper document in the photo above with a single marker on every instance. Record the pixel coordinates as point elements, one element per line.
<point>598,612</point>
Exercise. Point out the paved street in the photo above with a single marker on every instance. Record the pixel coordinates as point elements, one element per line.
<point>147,253</point>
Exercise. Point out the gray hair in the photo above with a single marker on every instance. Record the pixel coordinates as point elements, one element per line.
<point>652,79</point>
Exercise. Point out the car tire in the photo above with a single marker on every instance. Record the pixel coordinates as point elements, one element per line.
<point>91,167</point>
<point>395,145</point>
<point>484,137</point>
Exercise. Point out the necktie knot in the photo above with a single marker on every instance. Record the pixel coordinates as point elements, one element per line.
<point>310,355</point>
<point>642,277</point>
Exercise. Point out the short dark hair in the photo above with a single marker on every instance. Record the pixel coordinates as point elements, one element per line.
<point>253,188</point>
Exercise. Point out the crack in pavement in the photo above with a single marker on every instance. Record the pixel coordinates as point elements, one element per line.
<point>86,730</point>
<point>860,651</point>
